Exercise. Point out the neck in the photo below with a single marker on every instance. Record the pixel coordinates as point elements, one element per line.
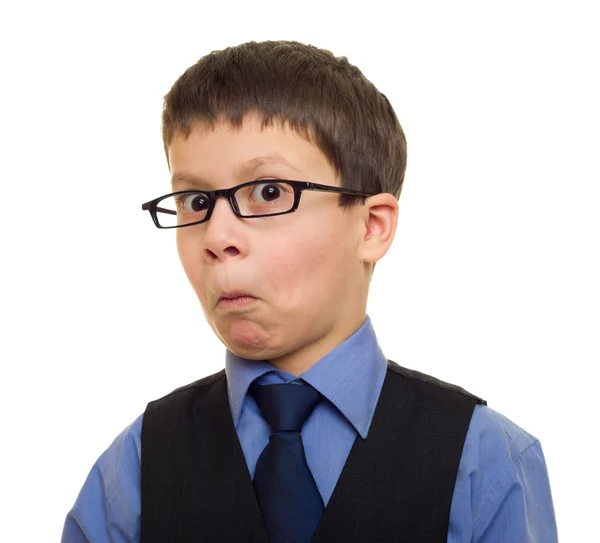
<point>302,359</point>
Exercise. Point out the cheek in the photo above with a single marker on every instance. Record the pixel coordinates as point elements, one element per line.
<point>302,273</point>
<point>183,250</point>
<point>189,251</point>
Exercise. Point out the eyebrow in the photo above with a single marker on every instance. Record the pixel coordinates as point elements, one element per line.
<point>244,170</point>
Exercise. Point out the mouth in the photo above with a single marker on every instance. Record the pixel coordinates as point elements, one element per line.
<point>234,294</point>
<point>231,302</point>
<point>233,299</point>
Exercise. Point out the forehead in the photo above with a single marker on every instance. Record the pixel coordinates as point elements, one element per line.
<point>240,153</point>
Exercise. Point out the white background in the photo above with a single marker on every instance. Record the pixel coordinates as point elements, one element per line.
<point>491,283</point>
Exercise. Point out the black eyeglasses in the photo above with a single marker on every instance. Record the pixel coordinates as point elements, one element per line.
<point>263,198</point>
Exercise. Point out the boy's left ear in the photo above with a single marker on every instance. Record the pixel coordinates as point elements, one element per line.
<point>379,219</point>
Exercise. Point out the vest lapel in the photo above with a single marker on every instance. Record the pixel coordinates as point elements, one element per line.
<point>397,485</point>
<point>202,490</point>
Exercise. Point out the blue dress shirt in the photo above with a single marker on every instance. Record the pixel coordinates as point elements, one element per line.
<point>502,491</point>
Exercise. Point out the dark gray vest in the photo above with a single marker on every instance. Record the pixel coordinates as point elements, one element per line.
<point>397,485</point>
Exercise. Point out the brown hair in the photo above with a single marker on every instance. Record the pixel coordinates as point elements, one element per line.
<point>323,98</point>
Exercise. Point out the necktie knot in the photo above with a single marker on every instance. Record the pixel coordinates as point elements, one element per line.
<point>286,406</point>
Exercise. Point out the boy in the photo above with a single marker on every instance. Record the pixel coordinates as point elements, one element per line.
<point>309,433</point>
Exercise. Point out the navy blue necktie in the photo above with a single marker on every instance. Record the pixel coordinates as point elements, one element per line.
<point>287,494</point>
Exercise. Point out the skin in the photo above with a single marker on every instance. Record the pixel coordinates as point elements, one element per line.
<point>309,270</point>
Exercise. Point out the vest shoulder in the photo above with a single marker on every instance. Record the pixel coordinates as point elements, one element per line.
<point>429,380</point>
<point>190,388</point>
<point>491,427</point>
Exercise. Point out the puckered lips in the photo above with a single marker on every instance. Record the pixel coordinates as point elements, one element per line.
<point>232,299</point>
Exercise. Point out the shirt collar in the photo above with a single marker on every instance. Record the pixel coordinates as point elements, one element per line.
<point>350,377</point>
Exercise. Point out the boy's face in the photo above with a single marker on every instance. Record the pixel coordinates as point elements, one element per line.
<point>304,269</point>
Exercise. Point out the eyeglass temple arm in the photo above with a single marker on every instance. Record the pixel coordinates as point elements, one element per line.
<point>146,206</point>
<point>168,211</point>
<point>327,188</point>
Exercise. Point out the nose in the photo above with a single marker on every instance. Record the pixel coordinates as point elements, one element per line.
<point>222,237</point>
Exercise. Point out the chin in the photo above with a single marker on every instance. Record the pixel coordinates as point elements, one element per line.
<point>248,355</point>
<point>246,338</point>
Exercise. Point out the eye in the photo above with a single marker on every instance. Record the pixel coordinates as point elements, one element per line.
<point>268,192</point>
<point>192,203</point>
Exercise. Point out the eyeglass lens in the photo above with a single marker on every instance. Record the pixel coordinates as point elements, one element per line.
<point>261,198</point>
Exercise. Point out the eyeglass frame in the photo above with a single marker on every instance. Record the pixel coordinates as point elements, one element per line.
<point>298,186</point>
